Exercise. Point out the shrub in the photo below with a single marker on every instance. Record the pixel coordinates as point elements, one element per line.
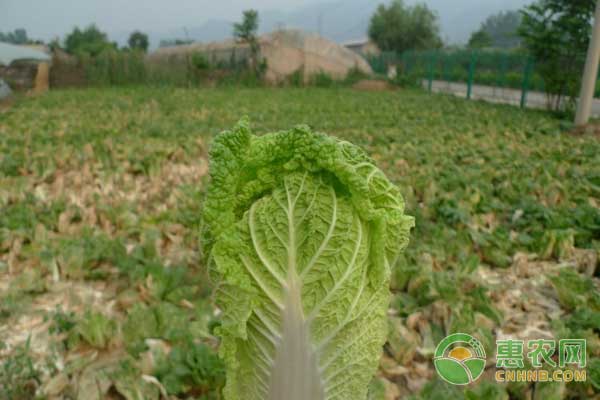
<point>296,78</point>
<point>322,79</point>
<point>355,75</point>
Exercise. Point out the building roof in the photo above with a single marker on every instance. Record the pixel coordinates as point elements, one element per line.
<point>10,52</point>
<point>356,42</point>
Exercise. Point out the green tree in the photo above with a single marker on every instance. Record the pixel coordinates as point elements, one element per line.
<point>18,36</point>
<point>399,27</point>
<point>502,29</point>
<point>138,41</point>
<point>557,34</point>
<point>246,32</point>
<point>480,39</point>
<point>90,41</point>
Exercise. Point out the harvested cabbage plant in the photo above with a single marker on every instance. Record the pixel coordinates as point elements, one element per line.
<point>301,230</point>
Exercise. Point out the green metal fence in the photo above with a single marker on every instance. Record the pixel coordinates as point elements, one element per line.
<point>498,69</point>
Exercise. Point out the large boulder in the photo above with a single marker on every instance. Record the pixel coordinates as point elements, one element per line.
<point>288,51</point>
<point>285,51</point>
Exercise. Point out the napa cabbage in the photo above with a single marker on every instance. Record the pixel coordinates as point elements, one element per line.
<point>301,230</point>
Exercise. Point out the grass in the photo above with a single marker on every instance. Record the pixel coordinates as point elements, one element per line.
<point>100,200</point>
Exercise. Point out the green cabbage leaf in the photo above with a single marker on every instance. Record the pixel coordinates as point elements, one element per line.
<point>301,230</point>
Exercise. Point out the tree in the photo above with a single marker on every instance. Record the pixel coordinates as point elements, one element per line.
<point>399,27</point>
<point>502,29</point>
<point>246,32</point>
<point>90,41</point>
<point>480,39</point>
<point>138,41</point>
<point>18,36</point>
<point>557,33</point>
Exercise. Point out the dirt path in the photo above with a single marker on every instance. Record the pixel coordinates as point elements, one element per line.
<point>498,95</point>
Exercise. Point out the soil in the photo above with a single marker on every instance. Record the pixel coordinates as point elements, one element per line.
<point>592,128</point>
<point>372,85</point>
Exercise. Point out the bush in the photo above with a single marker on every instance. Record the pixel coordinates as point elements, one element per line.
<point>114,67</point>
<point>355,75</point>
<point>296,79</point>
<point>322,79</point>
<point>246,78</point>
<point>406,79</point>
<point>122,68</point>
<point>199,61</point>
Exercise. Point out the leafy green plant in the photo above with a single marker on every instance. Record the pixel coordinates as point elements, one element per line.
<point>322,79</point>
<point>12,303</point>
<point>354,75</point>
<point>62,322</point>
<point>22,216</point>
<point>192,369</point>
<point>594,373</point>
<point>575,290</point>
<point>510,174</point>
<point>296,78</point>
<point>80,256</point>
<point>301,231</point>
<point>486,390</point>
<point>406,80</point>
<point>23,287</point>
<point>162,320</point>
<point>96,329</point>
<point>19,378</point>
<point>439,389</point>
<point>200,61</point>
<point>128,381</point>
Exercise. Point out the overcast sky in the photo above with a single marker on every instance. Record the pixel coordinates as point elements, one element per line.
<point>48,18</point>
<point>166,19</point>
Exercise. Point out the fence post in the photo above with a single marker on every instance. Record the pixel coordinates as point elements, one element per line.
<point>408,60</point>
<point>525,85</point>
<point>385,62</point>
<point>432,60</point>
<point>444,66</point>
<point>471,74</point>
<point>402,64</point>
<point>503,67</point>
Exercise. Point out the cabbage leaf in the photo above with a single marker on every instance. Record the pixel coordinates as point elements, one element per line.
<point>301,230</point>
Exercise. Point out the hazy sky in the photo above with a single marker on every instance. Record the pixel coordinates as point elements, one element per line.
<point>48,18</point>
<point>166,19</point>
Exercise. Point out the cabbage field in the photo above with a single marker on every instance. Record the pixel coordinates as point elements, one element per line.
<point>104,291</point>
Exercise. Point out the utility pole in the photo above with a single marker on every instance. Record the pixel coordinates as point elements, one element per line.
<point>590,73</point>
